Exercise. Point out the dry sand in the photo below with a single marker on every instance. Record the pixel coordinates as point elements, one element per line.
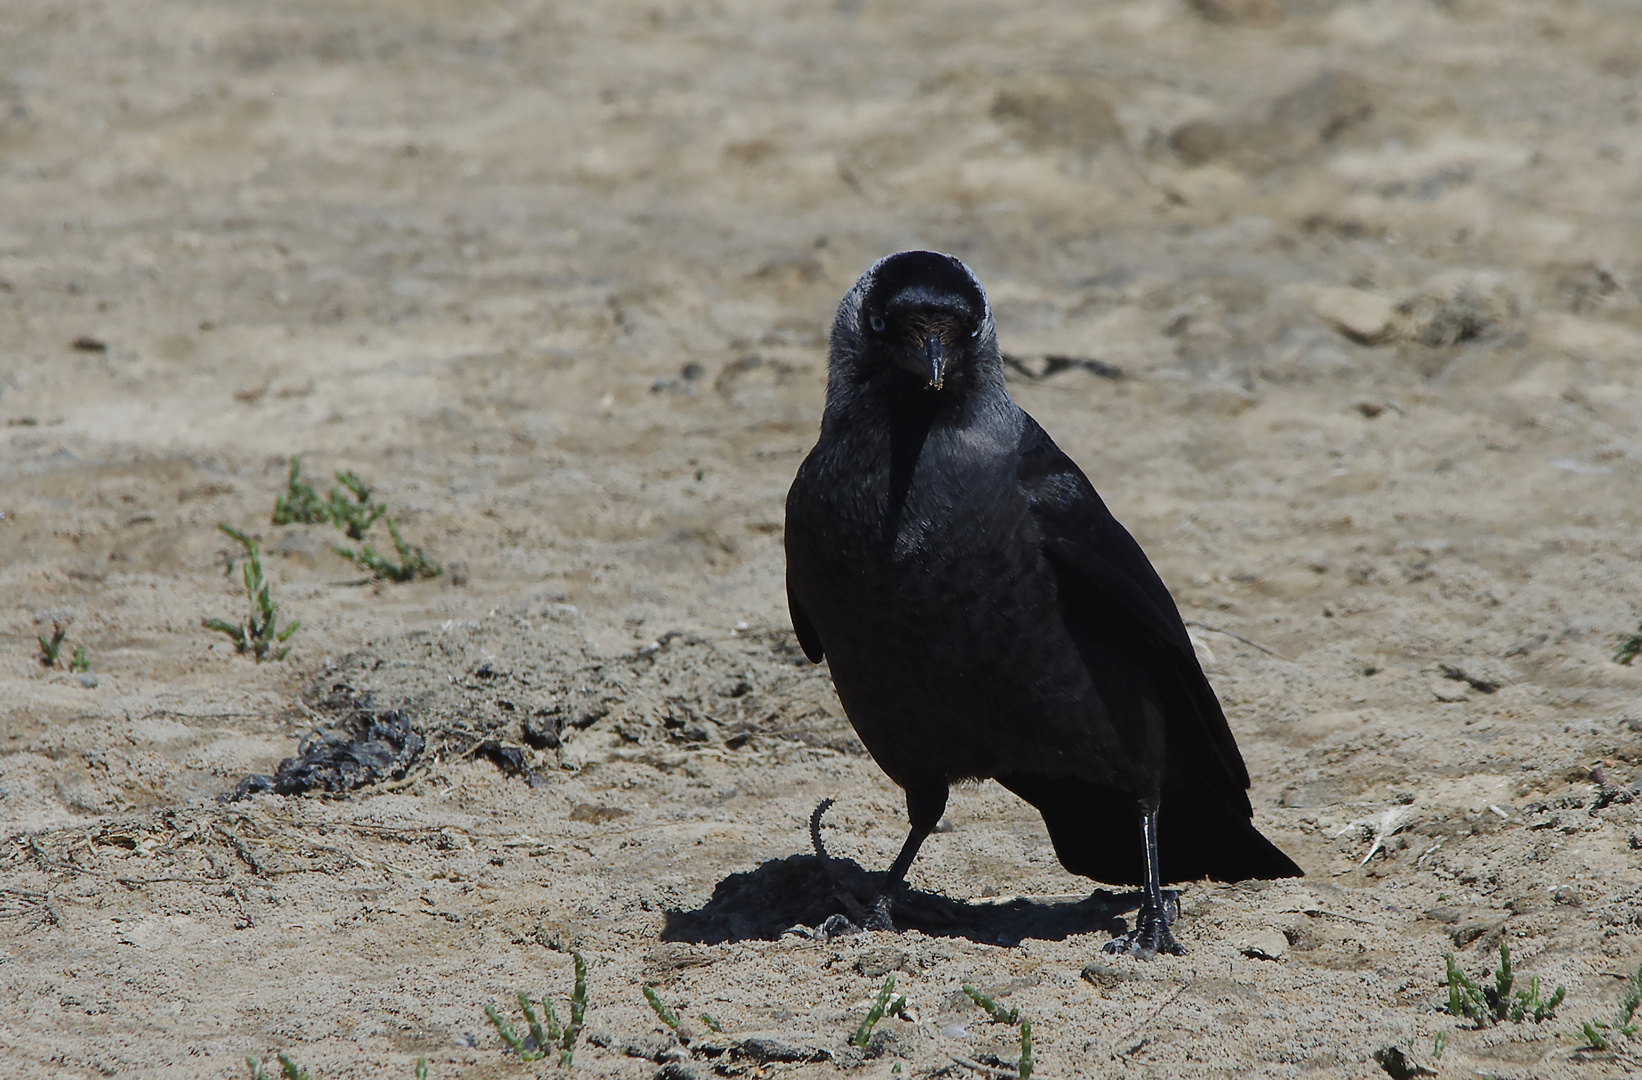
<point>556,280</point>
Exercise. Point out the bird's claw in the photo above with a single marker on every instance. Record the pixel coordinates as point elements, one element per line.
<point>878,918</point>
<point>1150,936</point>
<point>835,926</point>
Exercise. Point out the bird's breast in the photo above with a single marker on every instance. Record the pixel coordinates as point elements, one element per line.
<point>934,603</point>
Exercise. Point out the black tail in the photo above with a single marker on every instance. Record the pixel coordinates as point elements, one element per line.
<point>1096,832</point>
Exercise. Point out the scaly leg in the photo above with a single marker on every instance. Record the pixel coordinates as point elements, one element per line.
<point>925,805</point>
<point>1151,934</point>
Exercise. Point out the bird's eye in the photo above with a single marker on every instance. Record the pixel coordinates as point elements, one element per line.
<point>877,323</point>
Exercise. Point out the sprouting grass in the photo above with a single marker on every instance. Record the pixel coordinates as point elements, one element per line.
<point>998,1013</point>
<point>1629,647</point>
<point>413,563</point>
<point>1001,1015</point>
<point>1485,1005</point>
<point>260,634</point>
<point>1594,1039</point>
<point>523,1050</point>
<point>302,504</point>
<point>887,1003</point>
<point>663,1013</point>
<point>1599,1035</point>
<point>351,509</point>
<point>287,1069</point>
<point>670,1018</point>
<point>546,1031</point>
<point>51,649</point>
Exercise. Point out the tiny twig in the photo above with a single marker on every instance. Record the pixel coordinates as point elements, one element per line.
<point>243,851</point>
<point>1153,1015</point>
<point>989,1070</point>
<point>1239,637</point>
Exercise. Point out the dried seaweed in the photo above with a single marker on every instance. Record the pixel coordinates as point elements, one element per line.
<point>367,748</point>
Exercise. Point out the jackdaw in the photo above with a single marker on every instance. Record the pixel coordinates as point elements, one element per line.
<point>984,615</point>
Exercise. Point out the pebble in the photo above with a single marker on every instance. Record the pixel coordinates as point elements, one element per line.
<point>1364,317</point>
<point>1264,944</point>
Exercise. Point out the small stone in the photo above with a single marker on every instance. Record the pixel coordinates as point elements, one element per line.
<point>1106,976</point>
<point>677,1070</point>
<point>1399,1065</point>
<point>1449,691</point>
<point>541,730</point>
<point>1465,935</point>
<point>87,680</point>
<point>1264,944</point>
<point>1364,317</point>
<point>765,1048</point>
<point>876,963</point>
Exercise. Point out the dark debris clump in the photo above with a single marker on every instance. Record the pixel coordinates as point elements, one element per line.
<point>369,747</point>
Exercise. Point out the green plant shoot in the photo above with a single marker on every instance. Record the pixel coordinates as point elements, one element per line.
<point>260,633</point>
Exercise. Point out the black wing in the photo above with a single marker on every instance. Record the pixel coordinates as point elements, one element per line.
<point>808,639</point>
<point>1117,581</point>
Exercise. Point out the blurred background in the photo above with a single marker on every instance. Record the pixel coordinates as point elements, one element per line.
<point>557,278</point>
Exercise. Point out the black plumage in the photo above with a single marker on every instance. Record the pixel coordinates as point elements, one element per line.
<point>984,615</point>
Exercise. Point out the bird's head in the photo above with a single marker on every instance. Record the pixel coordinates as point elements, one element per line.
<point>921,313</point>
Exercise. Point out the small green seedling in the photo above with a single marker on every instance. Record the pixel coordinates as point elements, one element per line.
<point>287,1069</point>
<point>413,563</point>
<point>1001,1015</point>
<point>50,650</point>
<point>711,1022</point>
<point>1438,1045</point>
<point>1594,1039</point>
<point>998,1013</point>
<point>887,1003</point>
<point>547,1031</point>
<point>1485,1005</point>
<point>260,633</point>
<point>663,1013</point>
<point>1624,1021</point>
<point>301,504</point>
<point>354,518</point>
<point>80,661</point>
<point>1629,647</point>
<point>421,1069</point>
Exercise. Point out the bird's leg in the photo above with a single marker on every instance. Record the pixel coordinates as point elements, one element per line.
<point>925,805</point>
<point>1151,934</point>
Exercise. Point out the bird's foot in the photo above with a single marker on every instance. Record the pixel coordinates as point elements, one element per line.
<point>878,917</point>
<point>1150,936</point>
<point>835,926</point>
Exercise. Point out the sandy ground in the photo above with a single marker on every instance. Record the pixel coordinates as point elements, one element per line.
<point>555,279</point>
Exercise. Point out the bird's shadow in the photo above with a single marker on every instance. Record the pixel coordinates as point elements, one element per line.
<point>805,891</point>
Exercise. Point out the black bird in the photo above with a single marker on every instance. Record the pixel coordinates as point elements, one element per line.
<point>984,614</point>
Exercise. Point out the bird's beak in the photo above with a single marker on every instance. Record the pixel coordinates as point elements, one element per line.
<point>936,360</point>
